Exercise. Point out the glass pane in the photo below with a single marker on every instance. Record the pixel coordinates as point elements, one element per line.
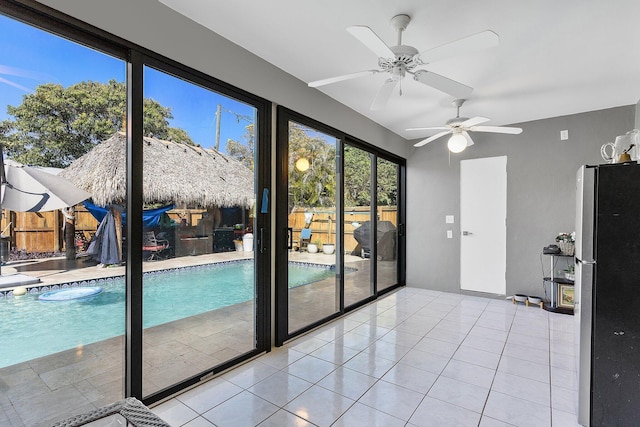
<point>358,283</point>
<point>199,283</point>
<point>313,284</point>
<point>62,319</point>
<point>387,216</point>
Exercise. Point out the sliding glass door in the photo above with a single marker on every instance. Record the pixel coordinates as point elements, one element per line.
<point>339,224</point>
<point>313,286</point>
<point>152,273</point>
<point>198,235</point>
<point>62,320</point>
<point>358,239</point>
<point>387,222</point>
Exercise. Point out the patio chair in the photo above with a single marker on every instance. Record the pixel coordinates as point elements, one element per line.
<point>82,243</point>
<point>156,248</point>
<point>305,238</point>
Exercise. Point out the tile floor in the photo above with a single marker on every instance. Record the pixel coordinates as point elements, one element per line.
<point>51,388</point>
<point>414,358</point>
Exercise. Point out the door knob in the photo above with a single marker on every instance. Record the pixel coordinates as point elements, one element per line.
<point>466,233</point>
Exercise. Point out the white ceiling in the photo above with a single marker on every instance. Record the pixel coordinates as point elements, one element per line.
<point>555,57</point>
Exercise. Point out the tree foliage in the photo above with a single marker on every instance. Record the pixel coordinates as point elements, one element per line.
<point>244,153</point>
<point>357,179</point>
<point>315,187</point>
<point>55,125</point>
<point>387,183</point>
<point>357,176</point>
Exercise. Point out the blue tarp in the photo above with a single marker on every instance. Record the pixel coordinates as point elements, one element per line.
<point>150,217</point>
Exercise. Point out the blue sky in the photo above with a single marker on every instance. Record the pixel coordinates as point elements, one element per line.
<point>30,57</point>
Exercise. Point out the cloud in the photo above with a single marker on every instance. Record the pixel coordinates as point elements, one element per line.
<point>16,85</point>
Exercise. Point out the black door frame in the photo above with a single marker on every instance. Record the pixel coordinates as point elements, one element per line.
<point>135,58</point>
<point>284,116</point>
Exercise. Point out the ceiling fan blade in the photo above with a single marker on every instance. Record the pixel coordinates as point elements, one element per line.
<point>474,121</point>
<point>431,138</point>
<point>383,95</point>
<point>443,84</point>
<point>468,137</point>
<point>341,78</point>
<point>432,128</point>
<point>367,37</point>
<point>496,129</point>
<point>470,44</point>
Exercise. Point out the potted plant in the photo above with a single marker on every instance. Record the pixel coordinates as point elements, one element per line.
<point>312,248</point>
<point>566,242</point>
<point>328,248</point>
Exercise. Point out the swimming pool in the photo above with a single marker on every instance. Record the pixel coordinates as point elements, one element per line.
<point>30,328</point>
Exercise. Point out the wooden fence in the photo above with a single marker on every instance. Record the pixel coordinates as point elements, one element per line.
<point>323,223</point>
<point>42,231</point>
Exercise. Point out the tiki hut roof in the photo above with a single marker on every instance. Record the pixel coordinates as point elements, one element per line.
<point>173,173</point>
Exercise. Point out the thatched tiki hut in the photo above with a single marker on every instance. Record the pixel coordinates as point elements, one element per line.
<point>174,173</point>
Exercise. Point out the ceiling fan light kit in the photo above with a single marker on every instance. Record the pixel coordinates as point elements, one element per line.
<point>400,60</point>
<point>457,143</point>
<point>460,127</point>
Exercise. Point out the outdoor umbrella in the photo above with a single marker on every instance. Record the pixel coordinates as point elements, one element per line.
<point>29,189</point>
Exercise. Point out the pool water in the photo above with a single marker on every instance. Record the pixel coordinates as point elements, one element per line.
<point>30,328</point>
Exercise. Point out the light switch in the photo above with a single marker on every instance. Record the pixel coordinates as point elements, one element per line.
<point>449,234</point>
<point>449,219</point>
<point>564,135</point>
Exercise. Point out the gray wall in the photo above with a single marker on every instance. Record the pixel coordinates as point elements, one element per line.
<point>540,195</point>
<point>152,25</point>
<point>637,115</point>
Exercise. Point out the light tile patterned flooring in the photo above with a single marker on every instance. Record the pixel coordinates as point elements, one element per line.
<point>414,358</point>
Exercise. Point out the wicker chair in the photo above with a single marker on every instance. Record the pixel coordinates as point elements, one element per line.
<point>136,414</point>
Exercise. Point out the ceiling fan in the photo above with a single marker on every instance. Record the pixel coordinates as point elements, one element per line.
<point>401,59</point>
<point>460,127</point>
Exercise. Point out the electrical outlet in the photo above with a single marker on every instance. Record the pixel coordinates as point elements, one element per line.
<point>448,219</point>
<point>564,135</point>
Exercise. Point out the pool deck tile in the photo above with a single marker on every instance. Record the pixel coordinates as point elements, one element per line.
<point>44,390</point>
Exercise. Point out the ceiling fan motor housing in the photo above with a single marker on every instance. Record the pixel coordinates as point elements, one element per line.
<point>456,122</point>
<point>405,58</point>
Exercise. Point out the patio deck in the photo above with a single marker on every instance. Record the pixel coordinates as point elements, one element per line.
<point>44,390</point>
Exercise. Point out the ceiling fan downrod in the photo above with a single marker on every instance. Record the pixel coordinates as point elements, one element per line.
<point>400,22</point>
<point>458,103</point>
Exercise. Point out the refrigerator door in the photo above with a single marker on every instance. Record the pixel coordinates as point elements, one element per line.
<point>615,359</point>
<point>585,208</point>
<point>583,312</point>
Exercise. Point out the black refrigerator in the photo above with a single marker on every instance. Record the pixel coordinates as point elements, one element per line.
<point>607,295</point>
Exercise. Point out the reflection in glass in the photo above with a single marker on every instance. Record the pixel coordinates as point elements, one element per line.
<point>358,284</point>
<point>387,223</point>
<point>198,200</point>
<point>312,220</point>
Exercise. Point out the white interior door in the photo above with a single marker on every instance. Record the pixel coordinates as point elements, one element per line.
<point>483,216</point>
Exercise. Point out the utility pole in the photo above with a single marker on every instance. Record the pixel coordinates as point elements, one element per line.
<point>218,117</point>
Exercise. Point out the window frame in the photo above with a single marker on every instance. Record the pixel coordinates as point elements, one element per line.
<point>284,116</point>
<point>136,57</point>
